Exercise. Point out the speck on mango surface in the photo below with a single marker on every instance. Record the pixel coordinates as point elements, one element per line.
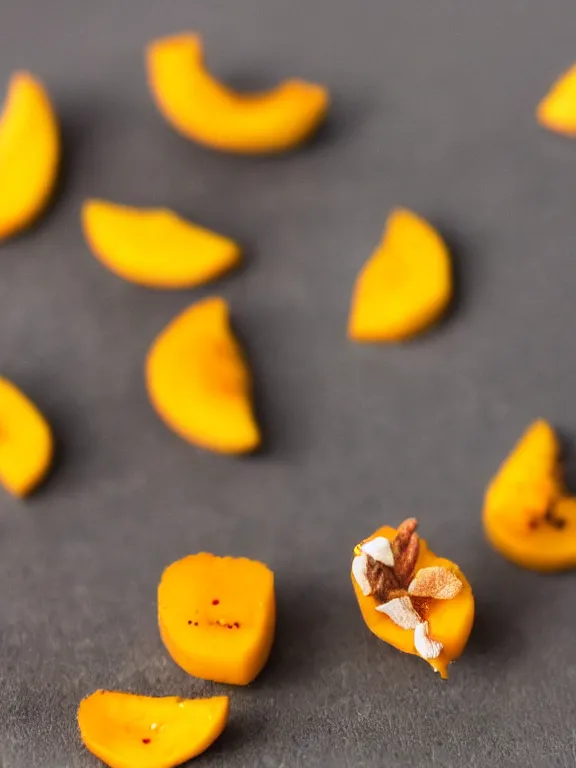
<point>129,731</point>
<point>528,516</point>
<point>217,616</point>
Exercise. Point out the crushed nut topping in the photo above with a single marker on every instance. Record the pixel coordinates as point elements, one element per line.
<point>387,572</point>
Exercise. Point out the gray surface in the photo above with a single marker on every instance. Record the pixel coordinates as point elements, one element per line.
<point>433,109</point>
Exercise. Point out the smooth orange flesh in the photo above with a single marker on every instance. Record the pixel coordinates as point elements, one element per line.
<point>528,515</point>
<point>203,109</point>
<point>26,443</point>
<point>29,153</point>
<point>155,247</point>
<point>199,383</point>
<point>450,621</point>
<point>217,616</point>
<point>557,110</point>
<point>128,731</point>
<point>406,284</point>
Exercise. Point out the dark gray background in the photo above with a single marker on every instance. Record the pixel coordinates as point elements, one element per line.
<point>433,109</point>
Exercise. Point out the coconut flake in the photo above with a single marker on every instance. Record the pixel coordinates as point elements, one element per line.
<point>436,582</point>
<point>401,612</point>
<point>379,549</point>
<point>426,647</point>
<point>359,572</point>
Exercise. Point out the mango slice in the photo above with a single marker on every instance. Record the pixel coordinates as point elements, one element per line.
<point>29,153</point>
<point>128,731</point>
<point>406,284</point>
<point>203,109</point>
<point>528,515</point>
<point>217,616</point>
<point>26,444</point>
<point>154,246</point>
<point>198,382</point>
<point>557,110</point>
<point>412,619</point>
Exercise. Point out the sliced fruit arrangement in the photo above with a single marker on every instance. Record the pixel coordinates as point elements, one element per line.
<point>205,110</point>
<point>557,110</point>
<point>406,284</point>
<point>199,383</point>
<point>29,153</point>
<point>411,598</point>
<point>154,246</point>
<point>26,443</point>
<point>129,731</point>
<point>217,616</point>
<point>529,517</point>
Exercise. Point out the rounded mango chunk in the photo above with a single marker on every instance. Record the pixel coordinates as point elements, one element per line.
<point>29,153</point>
<point>528,515</point>
<point>406,284</point>
<point>203,109</point>
<point>129,731</point>
<point>217,616</point>
<point>26,443</point>
<point>447,618</point>
<point>154,246</point>
<point>557,110</point>
<point>198,382</point>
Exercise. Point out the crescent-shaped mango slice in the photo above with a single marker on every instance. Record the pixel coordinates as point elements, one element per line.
<point>448,621</point>
<point>29,153</point>
<point>203,109</point>
<point>26,443</point>
<point>217,616</point>
<point>199,383</point>
<point>154,246</point>
<point>557,110</point>
<point>406,284</point>
<point>129,731</point>
<point>528,515</point>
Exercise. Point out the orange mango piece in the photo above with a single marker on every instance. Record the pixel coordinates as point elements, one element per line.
<point>406,284</point>
<point>154,246</point>
<point>128,731</point>
<point>199,383</point>
<point>217,616</point>
<point>557,110</point>
<point>29,153</point>
<point>206,111</point>
<point>528,515</point>
<point>433,607</point>
<point>26,443</point>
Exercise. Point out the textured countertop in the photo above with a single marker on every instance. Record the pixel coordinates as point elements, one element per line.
<point>433,109</point>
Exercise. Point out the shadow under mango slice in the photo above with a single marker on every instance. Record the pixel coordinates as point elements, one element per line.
<point>26,444</point>
<point>29,153</point>
<point>412,599</point>
<point>199,383</point>
<point>203,109</point>
<point>405,285</point>
<point>217,616</point>
<point>129,731</point>
<point>154,246</point>
<point>528,515</point>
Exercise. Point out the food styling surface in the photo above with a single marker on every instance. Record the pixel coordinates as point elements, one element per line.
<point>433,108</point>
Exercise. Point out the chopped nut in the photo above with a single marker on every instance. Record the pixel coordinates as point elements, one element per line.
<point>426,647</point>
<point>436,582</point>
<point>401,612</point>
<point>380,550</point>
<point>359,567</point>
<point>406,547</point>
